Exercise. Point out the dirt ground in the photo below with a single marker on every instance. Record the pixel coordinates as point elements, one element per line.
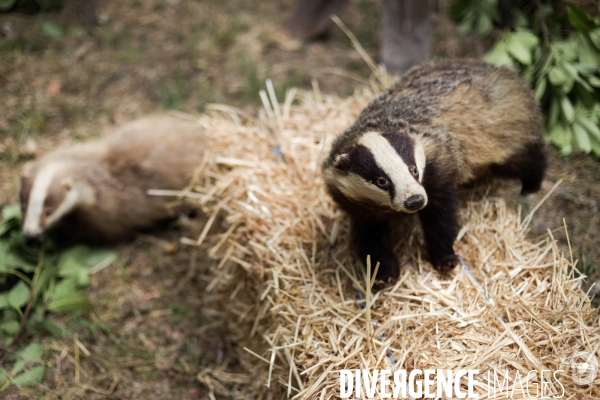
<point>149,337</point>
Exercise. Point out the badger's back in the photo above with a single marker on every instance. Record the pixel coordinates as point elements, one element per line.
<point>158,152</point>
<point>483,113</point>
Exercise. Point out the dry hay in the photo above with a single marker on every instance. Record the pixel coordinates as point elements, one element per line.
<point>287,278</point>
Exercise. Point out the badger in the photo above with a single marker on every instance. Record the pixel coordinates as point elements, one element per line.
<point>443,125</point>
<point>99,189</point>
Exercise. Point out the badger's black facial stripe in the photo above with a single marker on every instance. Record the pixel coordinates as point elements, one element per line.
<point>52,201</point>
<point>363,163</point>
<point>404,146</point>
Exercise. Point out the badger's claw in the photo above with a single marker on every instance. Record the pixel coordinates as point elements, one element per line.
<point>445,264</point>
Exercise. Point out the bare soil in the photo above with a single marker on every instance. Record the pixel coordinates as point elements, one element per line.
<point>149,336</point>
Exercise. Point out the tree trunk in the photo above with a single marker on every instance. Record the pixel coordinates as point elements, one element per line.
<point>406,33</point>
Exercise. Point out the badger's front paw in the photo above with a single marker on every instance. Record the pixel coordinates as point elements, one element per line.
<point>444,263</point>
<point>389,266</point>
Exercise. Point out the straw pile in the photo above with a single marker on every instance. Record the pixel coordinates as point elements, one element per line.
<point>289,287</point>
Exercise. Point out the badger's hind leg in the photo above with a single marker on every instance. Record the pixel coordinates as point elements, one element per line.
<point>528,165</point>
<point>374,239</point>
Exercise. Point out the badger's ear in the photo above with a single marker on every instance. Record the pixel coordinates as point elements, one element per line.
<point>27,170</point>
<point>342,161</point>
<point>67,182</point>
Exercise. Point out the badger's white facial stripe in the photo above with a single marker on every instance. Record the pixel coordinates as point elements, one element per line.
<point>388,159</point>
<point>37,197</point>
<point>356,187</point>
<point>420,160</point>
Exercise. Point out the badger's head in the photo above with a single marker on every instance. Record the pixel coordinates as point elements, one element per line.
<point>382,170</point>
<point>49,192</point>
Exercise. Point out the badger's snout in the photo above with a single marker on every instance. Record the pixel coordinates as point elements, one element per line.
<point>414,203</point>
<point>32,236</point>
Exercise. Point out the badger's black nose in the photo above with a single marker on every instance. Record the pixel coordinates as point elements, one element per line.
<point>31,237</point>
<point>414,202</point>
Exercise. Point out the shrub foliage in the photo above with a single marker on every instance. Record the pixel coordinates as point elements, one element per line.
<point>556,50</point>
<point>36,280</point>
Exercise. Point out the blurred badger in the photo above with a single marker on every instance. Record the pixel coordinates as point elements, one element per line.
<point>98,189</point>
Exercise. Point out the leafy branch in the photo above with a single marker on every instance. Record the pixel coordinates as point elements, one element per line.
<point>564,71</point>
<point>36,280</point>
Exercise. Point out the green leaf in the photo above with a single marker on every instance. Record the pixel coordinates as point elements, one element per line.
<point>80,252</point>
<point>48,326</point>
<point>585,86</point>
<point>557,76</point>
<point>519,51</point>
<point>589,126</point>
<point>484,25</point>
<point>48,271</point>
<point>19,294</point>
<point>83,278</point>
<point>4,301</point>
<point>14,260</point>
<point>29,354</point>
<point>466,25</point>
<point>520,21</point>
<point>596,149</point>
<point>588,54</point>
<point>9,327</point>
<point>7,226</point>
<point>567,108</point>
<point>71,302</point>
<point>10,315</point>
<point>567,148</point>
<point>99,256</point>
<point>586,69</point>
<point>5,5</point>
<point>77,259</point>
<point>540,89</point>
<point>567,50</point>
<point>594,81</point>
<point>11,212</point>
<point>64,287</point>
<point>32,352</point>
<point>582,139</point>
<point>567,86</point>
<point>571,70</point>
<point>18,367</point>
<point>71,267</point>
<point>53,30</point>
<point>30,378</point>
<point>579,19</point>
<point>528,74</point>
<point>498,55</point>
<point>556,135</point>
<point>528,39</point>
<point>595,37</point>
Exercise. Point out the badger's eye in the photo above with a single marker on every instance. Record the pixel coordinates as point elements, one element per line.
<point>414,171</point>
<point>47,212</point>
<point>382,182</point>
